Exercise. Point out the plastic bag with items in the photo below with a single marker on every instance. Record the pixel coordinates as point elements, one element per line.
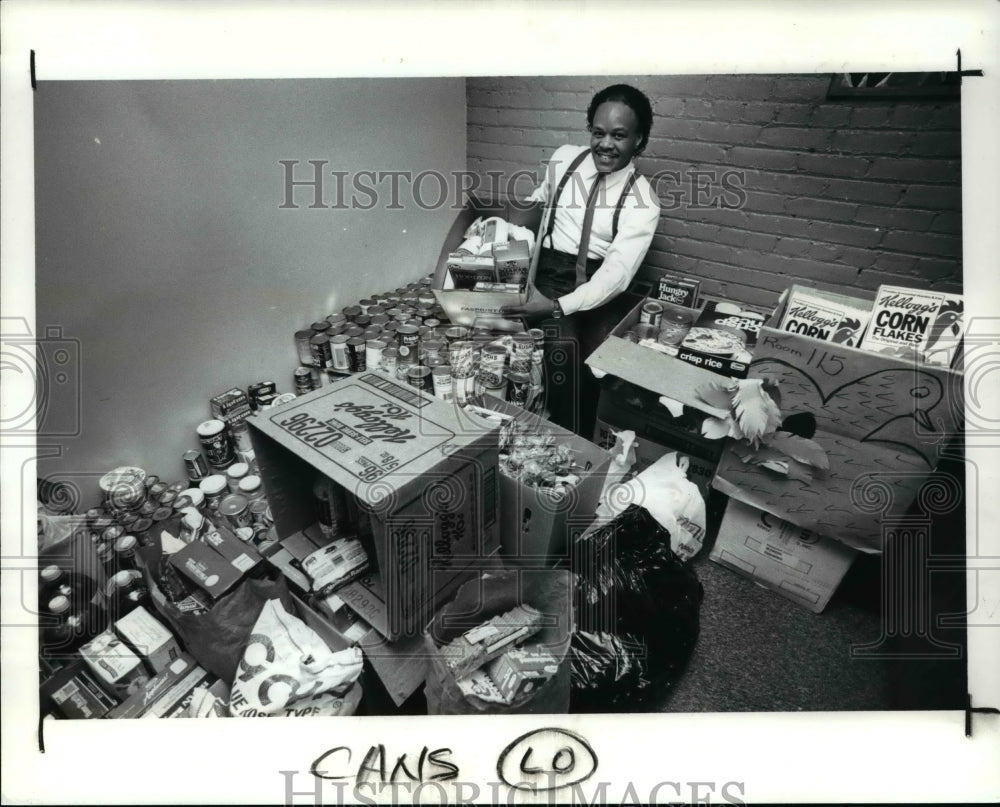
<point>637,613</point>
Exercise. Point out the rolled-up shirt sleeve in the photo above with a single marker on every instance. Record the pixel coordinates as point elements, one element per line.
<point>636,228</point>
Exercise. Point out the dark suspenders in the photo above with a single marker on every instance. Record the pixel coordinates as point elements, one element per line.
<point>562,184</point>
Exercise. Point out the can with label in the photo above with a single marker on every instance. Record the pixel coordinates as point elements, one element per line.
<point>167,498</point>
<point>365,304</point>
<point>321,350</point>
<point>195,496</point>
<point>390,360</point>
<point>251,487</point>
<point>352,311</point>
<point>462,357</point>
<point>338,346</point>
<point>491,366</point>
<point>443,385</point>
<point>408,340</point>
<point>336,319</point>
<point>420,377</point>
<point>215,443</point>
<point>303,380</point>
<point>362,320</point>
<point>258,512</point>
<point>124,488</point>
<point>456,333</point>
<point>373,353</point>
<point>356,354</point>
<point>434,347</point>
<point>651,312</point>
<point>236,509</point>
<point>523,352</point>
<point>380,319</point>
<point>432,322</point>
<point>518,388</point>
<point>214,487</point>
<point>332,512</point>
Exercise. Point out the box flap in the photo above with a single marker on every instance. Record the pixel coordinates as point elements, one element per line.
<point>831,506</point>
<point>372,435</point>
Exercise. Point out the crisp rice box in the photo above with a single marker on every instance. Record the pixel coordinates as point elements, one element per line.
<point>911,322</point>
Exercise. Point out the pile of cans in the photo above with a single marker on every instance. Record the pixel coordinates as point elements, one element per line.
<point>405,334</point>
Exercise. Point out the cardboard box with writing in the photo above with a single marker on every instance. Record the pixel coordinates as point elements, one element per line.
<point>425,482</point>
<point>148,638</point>
<point>798,564</point>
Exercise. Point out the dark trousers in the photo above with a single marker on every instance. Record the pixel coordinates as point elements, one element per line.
<point>571,390</point>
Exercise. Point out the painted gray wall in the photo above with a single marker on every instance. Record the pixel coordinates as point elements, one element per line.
<point>163,249</point>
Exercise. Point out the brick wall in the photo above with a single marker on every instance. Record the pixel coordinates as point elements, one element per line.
<point>763,181</point>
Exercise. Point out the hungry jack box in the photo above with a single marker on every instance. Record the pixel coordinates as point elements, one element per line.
<point>423,477</point>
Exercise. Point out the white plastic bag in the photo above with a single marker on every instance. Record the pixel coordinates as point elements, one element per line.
<point>671,498</point>
<point>288,671</point>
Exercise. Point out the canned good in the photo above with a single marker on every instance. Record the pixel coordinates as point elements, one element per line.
<point>332,512</point>
<point>124,488</point>
<point>320,326</point>
<point>303,380</point>
<point>356,354</point>
<point>373,353</point>
<point>650,312</point>
<point>285,397</point>
<point>645,331</point>
<point>192,527</point>
<point>432,322</point>
<point>234,474</point>
<point>420,377</point>
<point>236,508</point>
<point>443,384</point>
<point>214,488</point>
<point>434,347</point>
<point>258,512</point>
<point>336,319</point>
<point>251,487</point>
<point>157,490</point>
<point>161,514</point>
<point>491,366</point>
<point>182,502</point>
<point>215,443</point>
<point>390,328</point>
<point>352,311</point>
<point>380,320</point>
<point>147,508</point>
<point>373,332</point>
<point>518,388</point>
<point>303,347</point>
<point>462,357</point>
<point>377,310</point>
<point>408,340</point>
<point>365,304</point>
<point>125,549</point>
<point>362,320</point>
<point>245,534</point>
<point>523,352</point>
<point>338,347</point>
<point>321,350</point>
<point>151,479</point>
<point>167,498</point>
<point>141,525</point>
<point>390,360</point>
<point>674,326</point>
<point>128,518</point>
<point>113,533</point>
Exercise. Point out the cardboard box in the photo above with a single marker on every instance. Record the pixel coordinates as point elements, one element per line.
<point>231,406</point>
<point>156,687</point>
<point>177,697</point>
<point>512,261</point>
<point>465,307</point>
<point>424,480</point>
<point>241,555</point>
<point>468,270</point>
<point>825,315</point>
<point>798,564</point>
<point>894,444</point>
<point>400,666</point>
<point>148,638</point>
<point>913,322</point>
<point>652,370</point>
<point>75,693</point>
<point>535,522</point>
<point>115,665</point>
<point>722,339</point>
<point>682,291</point>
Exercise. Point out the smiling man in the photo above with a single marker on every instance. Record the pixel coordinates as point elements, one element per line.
<point>601,220</point>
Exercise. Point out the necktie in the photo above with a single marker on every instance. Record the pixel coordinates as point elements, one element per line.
<point>588,220</point>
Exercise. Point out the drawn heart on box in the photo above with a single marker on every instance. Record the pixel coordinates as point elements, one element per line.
<point>865,408</point>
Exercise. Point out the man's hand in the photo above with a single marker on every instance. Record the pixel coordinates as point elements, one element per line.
<point>537,308</point>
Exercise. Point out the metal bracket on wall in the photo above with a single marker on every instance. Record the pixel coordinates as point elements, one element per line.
<point>962,73</point>
<point>969,710</point>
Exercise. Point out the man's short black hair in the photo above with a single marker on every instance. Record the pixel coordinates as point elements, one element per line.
<point>635,99</point>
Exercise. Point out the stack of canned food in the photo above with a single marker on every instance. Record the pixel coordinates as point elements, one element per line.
<point>662,325</point>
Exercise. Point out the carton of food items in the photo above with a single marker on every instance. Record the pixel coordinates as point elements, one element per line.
<point>467,270</point>
<point>682,291</point>
<point>512,261</point>
<point>825,315</point>
<point>335,565</point>
<point>722,339</point>
<point>74,692</point>
<point>521,669</point>
<point>115,665</point>
<point>909,323</point>
<point>478,646</point>
<point>140,701</point>
<point>206,568</point>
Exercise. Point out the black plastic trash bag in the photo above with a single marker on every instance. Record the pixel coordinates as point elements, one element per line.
<point>637,609</point>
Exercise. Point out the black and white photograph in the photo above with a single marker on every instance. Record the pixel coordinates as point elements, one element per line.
<point>506,424</point>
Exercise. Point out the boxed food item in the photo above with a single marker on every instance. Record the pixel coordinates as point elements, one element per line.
<point>240,554</point>
<point>150,640</point>
<point>479,645</point>
<point>911,323</point>
<point>115,665</point>
<point>825,315</point>
<point>231,406</point>
<point>214,690</point>
<point>206,568</point>
<point>467,270</point>
<point>335,565</point>
<point>521,669</point>
<point>176,699</point>
<point>423,481</point>
<point>796,563</point>
<point>75,693</point>
<point>678,290</point>
<point>722,339</point>
<point>512,261</point>
<point>140,701</point>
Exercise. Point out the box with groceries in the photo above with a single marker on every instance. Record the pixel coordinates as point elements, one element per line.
<point>550,483</point>
<point>486,261</point>
<point>401,473</point>
<point>880,420</point>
